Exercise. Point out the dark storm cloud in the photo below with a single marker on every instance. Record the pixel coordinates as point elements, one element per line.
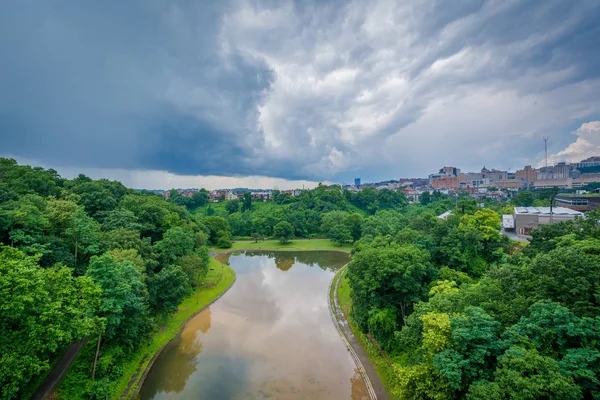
<point>307,89</point>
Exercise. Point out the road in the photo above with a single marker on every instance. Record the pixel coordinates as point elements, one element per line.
<point>58,370</point>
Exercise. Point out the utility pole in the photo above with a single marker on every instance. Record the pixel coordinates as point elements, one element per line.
<point>551,201</point>
<point>546,149</point>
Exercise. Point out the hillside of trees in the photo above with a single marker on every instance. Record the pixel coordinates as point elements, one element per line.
<point>460,312</point>
<point>84,258</point>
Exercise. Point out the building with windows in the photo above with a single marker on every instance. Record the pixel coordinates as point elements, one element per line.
<point>588,163</point>
<point>527,174</point>
<point>445,182</point>
<point>579,202</point>
<point>529,218</point>
<point>357,182</point>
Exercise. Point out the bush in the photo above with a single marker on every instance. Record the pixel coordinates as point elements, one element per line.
<point>223,242</point>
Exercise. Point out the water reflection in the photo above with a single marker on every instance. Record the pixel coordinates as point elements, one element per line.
<point>284,264</point>
<point>270,336</point>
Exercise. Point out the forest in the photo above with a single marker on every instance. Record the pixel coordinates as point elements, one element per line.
<point>461,312</point>
<point>458,309</point>
<point>87,258</point>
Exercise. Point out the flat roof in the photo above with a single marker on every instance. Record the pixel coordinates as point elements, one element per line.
<point>445,214</point>
<point>508,221</point>
<point>577,195</point>
<point>545,211</point>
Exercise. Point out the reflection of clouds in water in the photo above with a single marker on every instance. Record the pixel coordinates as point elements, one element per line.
<point>251,297</point>
<point>270,335</point>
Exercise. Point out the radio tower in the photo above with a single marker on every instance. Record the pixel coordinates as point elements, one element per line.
<point>546,149</point>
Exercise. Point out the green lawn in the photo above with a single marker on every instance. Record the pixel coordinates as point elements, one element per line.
<point>387,376</point>
<point>297,244</point>
<point>175,321</point>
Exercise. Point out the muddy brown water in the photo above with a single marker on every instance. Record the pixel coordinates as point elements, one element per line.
<point>270,336</point>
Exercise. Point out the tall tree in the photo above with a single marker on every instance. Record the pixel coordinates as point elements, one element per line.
<point>41,312</point>
<point>123,299</point>
<point>247,202</point>
<point>84,234</point>
<point>167,289</point>
<point>284,231</point>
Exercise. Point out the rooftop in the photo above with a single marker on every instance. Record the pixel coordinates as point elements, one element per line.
<point>578,195</point>
<point>545,211</point>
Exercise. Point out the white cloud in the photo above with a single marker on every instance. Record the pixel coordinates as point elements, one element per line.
<point>381,86</point>
<point>307,90</point>
<point>586,145</point>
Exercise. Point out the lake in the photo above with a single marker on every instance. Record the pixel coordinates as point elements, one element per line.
<point>270,336</point>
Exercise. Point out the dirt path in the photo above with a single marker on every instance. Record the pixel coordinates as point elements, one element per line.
<point>366,369</point>
<point>58,370</point>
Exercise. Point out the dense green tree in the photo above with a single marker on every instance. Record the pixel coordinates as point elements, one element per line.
<point>393,276</point>
<point>84,234</point>
<point>215,225</point>
<point>523,199</point>
<point>425,198</point>
<point>41,312</point>
<point>354,223</point>
<point>570,275</point>
<point>223,240</point>
<point>25,223</point>
<point>247,202</point>
<point>340,234</point>
<point>526,375</point>
<point>331,220</point>
<point>283,231</point>
<point>232,206</point>
<point>123,302</point>
<point>59,213</point>
<point>120,218</point>
<point>95,198</point>
<point>195,265</point>
<point>200,198</point>
<point>176,242</point>
<point>471,353</point>
<point>167,289</point>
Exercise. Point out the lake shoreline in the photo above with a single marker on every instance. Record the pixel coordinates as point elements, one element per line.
<point>134,384</point>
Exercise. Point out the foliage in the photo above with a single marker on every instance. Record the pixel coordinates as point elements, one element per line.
<point>284,231</point>
<point>493,323</point>
<point>41,312</point>
<point>104,256</point>
<point>167,289</point>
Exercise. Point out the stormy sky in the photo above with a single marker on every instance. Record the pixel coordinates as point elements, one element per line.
<point>263,92</point>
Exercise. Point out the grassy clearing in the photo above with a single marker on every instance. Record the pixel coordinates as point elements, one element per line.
<point>387,376</point>
<point>298,244</point>
<point>220,273</point>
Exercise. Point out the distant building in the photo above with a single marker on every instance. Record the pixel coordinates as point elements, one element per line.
<point>527,174</point>
<point>589,162</point>
<point>559,171</point>
<point>494,174</point>
<point>445,182</point>
<point>230,195</point>
<point>357,182</point>
<point>579,202</point>
<point>510,184</point>
<point>450,171</point>
<point>529,218</point>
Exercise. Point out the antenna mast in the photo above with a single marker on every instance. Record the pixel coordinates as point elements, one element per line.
<point>546,149</point>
